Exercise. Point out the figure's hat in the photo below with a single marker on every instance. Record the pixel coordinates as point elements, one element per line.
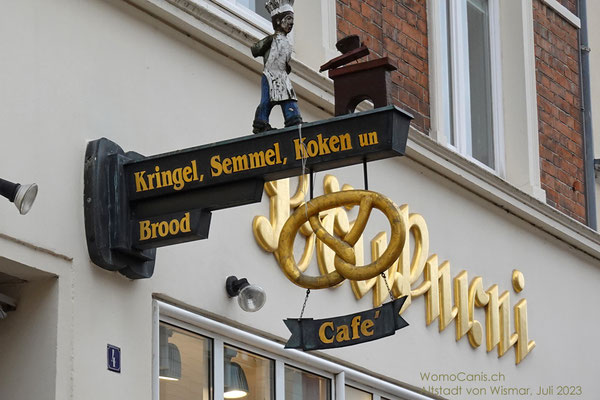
<point>275,7</point>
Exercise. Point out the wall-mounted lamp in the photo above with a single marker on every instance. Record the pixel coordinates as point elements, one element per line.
<point>22,195</point>
<point>251,298</point>
<point>6,304</point>
<point>170,358</point>
<point>235,383</point>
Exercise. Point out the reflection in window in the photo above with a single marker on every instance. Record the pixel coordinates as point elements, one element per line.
<point>302,385</point>
<point>449,116</point>
<point>247,375</point>
<point>480,76</point>
<point>468,114</point>
<point>185,364</point>
<point>356,394</point>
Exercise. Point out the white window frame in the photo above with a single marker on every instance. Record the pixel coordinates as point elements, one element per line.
<point>246,14</point>
<point>518,162</point>
<point>458,78</point>
<point>222,334</point>
<point>377,394</point>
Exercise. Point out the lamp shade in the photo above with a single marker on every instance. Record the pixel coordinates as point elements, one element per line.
<point>252,298</point>
<point>170,358</point>
<point>236,385</point>
<point>170,365</point>
<point>22,195</point>
<point>25,197</point>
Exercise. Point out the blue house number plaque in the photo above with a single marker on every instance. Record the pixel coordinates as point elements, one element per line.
<point>113,355</point>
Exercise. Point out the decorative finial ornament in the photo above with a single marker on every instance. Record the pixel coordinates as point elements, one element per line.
<point>276,87</point>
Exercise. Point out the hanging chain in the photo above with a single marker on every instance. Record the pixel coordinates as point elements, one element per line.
<point>387,286</point>
<point>304,159</point>
<point>365,174</point>
<point>304,305</point>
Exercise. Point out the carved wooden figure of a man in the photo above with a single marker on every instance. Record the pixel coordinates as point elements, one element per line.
<point>276,50</point>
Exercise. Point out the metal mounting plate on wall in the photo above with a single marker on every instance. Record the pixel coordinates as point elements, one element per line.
<point>107,212</point>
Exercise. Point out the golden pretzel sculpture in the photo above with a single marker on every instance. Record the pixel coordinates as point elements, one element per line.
<point>344,249</point>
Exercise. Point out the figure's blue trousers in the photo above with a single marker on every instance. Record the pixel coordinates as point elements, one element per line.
<point>291,113</point>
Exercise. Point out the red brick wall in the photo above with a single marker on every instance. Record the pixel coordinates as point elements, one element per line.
<point>397,29</point>
<point>571,5</point>
<point>559,113</point>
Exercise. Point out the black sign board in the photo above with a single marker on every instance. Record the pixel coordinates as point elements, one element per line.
<point>129,196</point>
<point>165,230</point>
<point>348,330</point>
<point>336,142</point>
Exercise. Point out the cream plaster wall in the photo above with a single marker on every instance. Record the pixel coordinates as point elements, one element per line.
<point>79,70</point>
<point>28,370</point>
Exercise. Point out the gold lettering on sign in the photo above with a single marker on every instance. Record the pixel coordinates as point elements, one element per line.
<point>245,162</point>
<point>323,335</point>
<point>153,230</point>
<point>415,273</point>
<point>322,145</point>
<point>177,178</point>
<point>367,139</point>
<point>329,333</point>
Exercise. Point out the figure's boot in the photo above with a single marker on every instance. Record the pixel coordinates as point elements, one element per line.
<point>260,126</point>
<point>295,120</point>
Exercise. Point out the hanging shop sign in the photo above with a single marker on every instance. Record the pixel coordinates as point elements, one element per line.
<point>345,256</point>
<point>347,330</point>
<point>413,273</point>
<point>134,204</point>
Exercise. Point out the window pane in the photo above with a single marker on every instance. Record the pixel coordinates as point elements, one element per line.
<point>356,394</point>
<point>185,364</point>
<point>258,6</point>
<point>302,385</point>
<point>248,373</point>
<point>480,81</point>
<point>448,82</point>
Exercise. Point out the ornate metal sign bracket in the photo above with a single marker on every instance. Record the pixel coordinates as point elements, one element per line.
<point>134,204</point>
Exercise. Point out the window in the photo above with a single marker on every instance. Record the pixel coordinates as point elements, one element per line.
<point>258,6</point>
<point>315,30</point>
<point>483,104</point>
<point>253,11</point>
<point>199,358</point>
<point>185,364</point>
<point>247,375</point>
<point>357,394</point>
<point>472,108</point>
<point>301,385</point>
<point>356,391</point>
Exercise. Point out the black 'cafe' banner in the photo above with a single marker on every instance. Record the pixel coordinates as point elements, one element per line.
<point>347,330</point>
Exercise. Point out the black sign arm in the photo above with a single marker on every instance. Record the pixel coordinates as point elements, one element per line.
<point>134,204</point>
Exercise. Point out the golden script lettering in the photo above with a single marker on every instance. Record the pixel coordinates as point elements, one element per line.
<point>415,273</point>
